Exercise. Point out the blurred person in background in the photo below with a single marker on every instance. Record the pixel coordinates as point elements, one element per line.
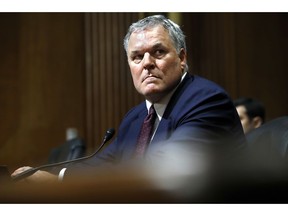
<point>251,113</point>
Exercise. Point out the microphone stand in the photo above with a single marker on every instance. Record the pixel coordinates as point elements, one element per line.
<point>109,134</point>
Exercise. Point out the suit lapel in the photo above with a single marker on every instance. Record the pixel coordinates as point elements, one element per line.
<point>163,131</point>
<point>165,126</point>
<point>132,134</point>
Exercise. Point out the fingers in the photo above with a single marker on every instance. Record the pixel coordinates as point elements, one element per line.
<point>20,170</point>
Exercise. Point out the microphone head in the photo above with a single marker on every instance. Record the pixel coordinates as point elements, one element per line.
<point>109,134</point>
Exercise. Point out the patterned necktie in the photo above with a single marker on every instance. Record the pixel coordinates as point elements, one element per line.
<point>146,132</point>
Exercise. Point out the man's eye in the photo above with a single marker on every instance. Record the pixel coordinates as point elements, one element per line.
<point>159,52</point>
<point>137,59</point>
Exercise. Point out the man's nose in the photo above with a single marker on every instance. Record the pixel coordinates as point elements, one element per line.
<point>149,61</point>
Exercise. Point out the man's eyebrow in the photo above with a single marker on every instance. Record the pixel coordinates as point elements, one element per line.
<point>134,52</point>
<point>155,46</point>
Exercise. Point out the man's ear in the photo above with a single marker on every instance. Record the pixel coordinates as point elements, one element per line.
<point>182,56</point>
<point>257,122</point>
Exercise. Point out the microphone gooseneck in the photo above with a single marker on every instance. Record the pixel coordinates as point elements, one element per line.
<point>108,135</point>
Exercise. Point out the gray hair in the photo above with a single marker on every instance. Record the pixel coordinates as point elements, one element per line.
<point>176,34</point>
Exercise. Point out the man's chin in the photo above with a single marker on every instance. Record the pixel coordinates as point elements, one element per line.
<point>153,95</point>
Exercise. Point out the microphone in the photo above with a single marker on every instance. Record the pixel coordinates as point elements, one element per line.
<point>108,135</point>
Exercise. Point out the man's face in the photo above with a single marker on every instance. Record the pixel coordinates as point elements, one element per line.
<point>245,121</point>
<point>155,66</point>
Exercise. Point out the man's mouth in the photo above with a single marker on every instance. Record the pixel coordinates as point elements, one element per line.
<point>150,78</point>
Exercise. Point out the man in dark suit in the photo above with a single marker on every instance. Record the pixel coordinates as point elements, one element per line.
<point>196,120</point>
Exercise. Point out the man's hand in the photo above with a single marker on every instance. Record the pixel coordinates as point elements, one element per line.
<point>37,177</point>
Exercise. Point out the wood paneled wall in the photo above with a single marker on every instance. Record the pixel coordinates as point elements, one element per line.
<point>262,66</point>
<point>246,53</point>
<point>42,84</point>
<point>60,70</point>
<point>110,90</point>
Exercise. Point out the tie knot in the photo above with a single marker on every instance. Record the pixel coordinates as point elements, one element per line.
<point>151,116</point>
<point>151,110</point>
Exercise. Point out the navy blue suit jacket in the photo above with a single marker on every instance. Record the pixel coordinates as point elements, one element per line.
<point>199,113</point>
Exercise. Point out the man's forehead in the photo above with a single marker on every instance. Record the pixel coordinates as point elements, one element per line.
<point>241,109</point>
<point>140,35</point>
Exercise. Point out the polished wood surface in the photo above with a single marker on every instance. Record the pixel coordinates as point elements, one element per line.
<point>248,187</point>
